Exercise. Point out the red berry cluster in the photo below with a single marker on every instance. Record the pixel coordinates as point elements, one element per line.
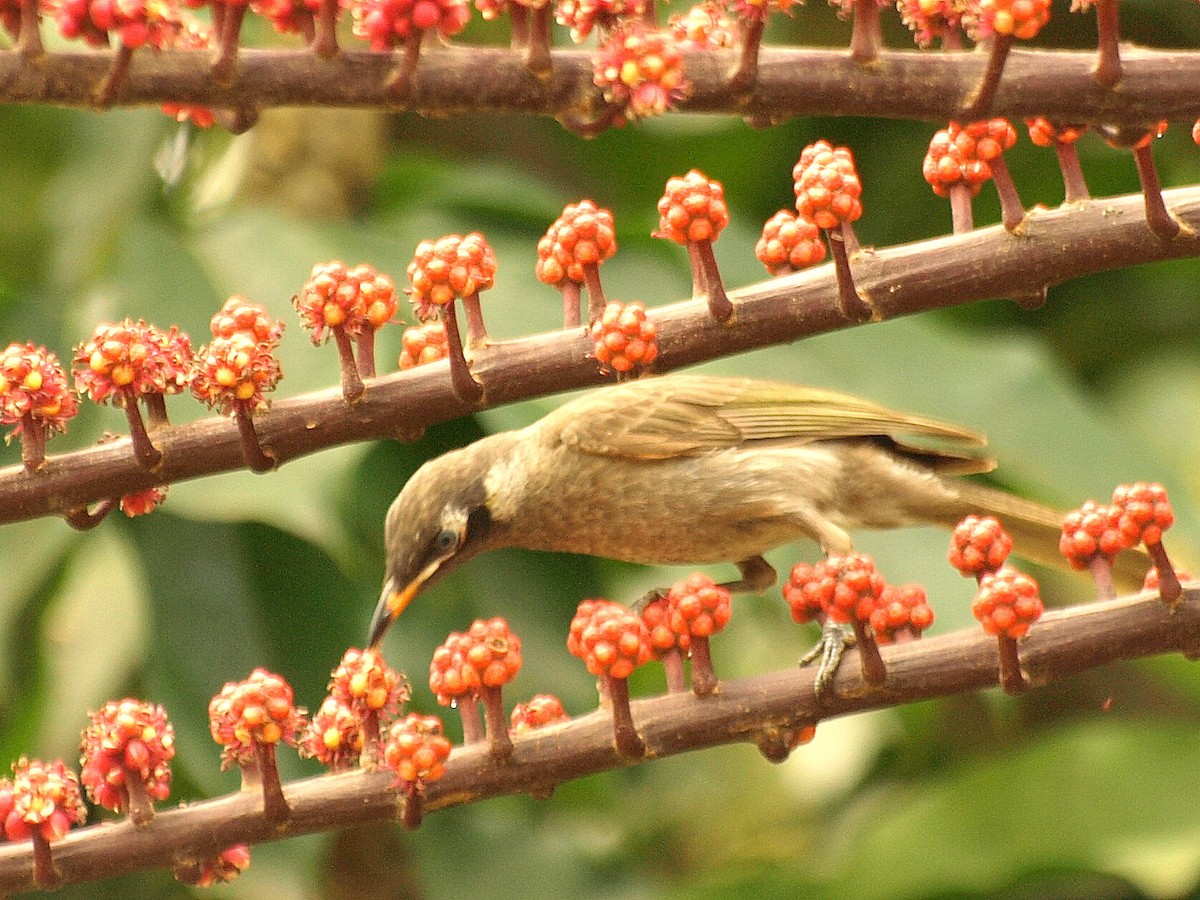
<point>1088,532</point>
<point>828,191</point>
<point>623,339</point>
<point>354,299</point>
<point>192,35</point>
<point>488,654</point>
<point>141,503</point>
<point>34,390</point>
<point>362,690</point>
<point>235,373</point>
<point>706,26</point>
<point>581,16</point>
<point>127,750</point>
<point>423,344</point>
<point>841,588</point>
<point>609,638</point>
<point>788,243</point>
<point>416,749</point>
<point>287,16</point>
<point>42,797</point>
<point>539,711</point>
<point>902,614</point>
<point>219,869</point>
<point>387,24</point>
<point>1045,133</point>
<point>804,592</point>
<point>692,209</point>
<point>131,360</point>
<point>238,316</point>
<point>1007,603</point>
<point>698,607</point>
<point>656,615</point>
<point>640,71</point>
<point>1019,18</point>
<point>950,160</point>
<point>449,268</point>
<point>259,710</point>
<point>979,544</point>
<point>931,19</point>
<point>136,23</point>
<point>582,236</point>
<point>1143,512</point>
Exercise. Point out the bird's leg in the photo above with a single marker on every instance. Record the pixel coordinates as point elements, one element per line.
<point>757,576</point>
<point>835,640</point>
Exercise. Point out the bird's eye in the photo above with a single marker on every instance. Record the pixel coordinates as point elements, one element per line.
<point>446,540</point>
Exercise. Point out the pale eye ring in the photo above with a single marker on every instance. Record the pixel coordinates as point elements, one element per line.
<point>446,540</point>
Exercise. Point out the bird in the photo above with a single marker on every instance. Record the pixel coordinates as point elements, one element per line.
<point>695,469</point>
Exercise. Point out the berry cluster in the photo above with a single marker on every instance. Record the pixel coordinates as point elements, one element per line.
<point>570,254</point>
<point>612,641</point>
<point>902,614</point>
<point>692,212</point>
<point>706,26</point>
<point>35,397</point>
<point>126,757</point>
<point>623,339</point>
<point>789,243</point>
<point>416,750</point>
<point>473,666</point>
<point>640,71</point>
<point>423,344</point>
<point>355,299</point>
<point>979,545</point>
<point>363,690</point>
<point>537,712</point>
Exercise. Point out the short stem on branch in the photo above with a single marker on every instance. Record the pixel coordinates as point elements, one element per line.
<point>45,875</point>
<point>867,35</point>
<point>400,80</point>
<point>148,456</point>
<point>156,411</point>
<point>33,444</point>
<point>324,41</point>
<point>365,345</point>
<point>466,388</point>
<point>1108,56</point>
<point>869,660</point>
<point>141,809</point>
<point>1012,212</point>
<point>477,335</point>
<point>352,386</point>
<point>106,90</point>
<point>468,711</point>
<point>29,41</point>
<point>720,307</point>
<point>256,457</point>
<point>537,56</point>
<point>704,678</point>
<point>571,299</point>
<point>518,24</point>
<point>628,742</point>
<point>1157,216</point>
<point>961,213</point>
<point>744,75</point>
<point>853,307</point>
<point>414,807</point>
<point>1101,569</point>
<point>499,743</point>
<point>1169,588</point>
<point>1074,184</point>
<point>275,805</point>
<point>672,661</point>
<point>1011,679</point>
<point>978,106</point>
<point>596,301</point>
<point>224,70</point>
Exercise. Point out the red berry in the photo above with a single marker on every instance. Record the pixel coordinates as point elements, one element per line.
<point>423,344</point>
<point>706,26</point>
<point>692,209</point>
<point>259,710</point>
<point>789,242</point>
<point>126,740</point>
<point>583,235</point>
<point>828,191</point>
<point>539,711</point>
<point>979,544</point>
<point>1007,603</point>
<point>698,607</point>
<point>416,749</point>
<point>449,268</point>
<point>581,16</point>
<point>623,339</point>
<point>1091,531</point>
<point>1045,133</point>
<point>1143,512</point>
<point>612,640</point>
<point>903,613</point>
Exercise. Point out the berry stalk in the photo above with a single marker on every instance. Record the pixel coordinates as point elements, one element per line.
<point>1012,680</point>
<point>1074,184</point>
<point>352,386</point>
<point>1157,216</point>
<point>466,388</point>
<point>148,456</point>
<point>1108,59</point>
<point>256,457</point>
<point>626,739</point>
<point>985,93</point>
<point>499,743</point>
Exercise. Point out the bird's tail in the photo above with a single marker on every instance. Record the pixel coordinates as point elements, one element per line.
<point>1035,529</point>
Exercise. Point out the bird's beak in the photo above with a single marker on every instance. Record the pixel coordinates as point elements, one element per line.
<point>393,601</point>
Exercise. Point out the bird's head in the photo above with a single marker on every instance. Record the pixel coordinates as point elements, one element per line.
<point>438,521</point>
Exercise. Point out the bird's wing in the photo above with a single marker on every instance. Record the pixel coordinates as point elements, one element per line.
<point>680,415</point>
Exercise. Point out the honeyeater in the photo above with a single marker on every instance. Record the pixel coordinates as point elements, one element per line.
<point>696,469</point>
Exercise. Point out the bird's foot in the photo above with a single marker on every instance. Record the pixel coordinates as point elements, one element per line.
<point>835,640</point>
<point>639,605</point>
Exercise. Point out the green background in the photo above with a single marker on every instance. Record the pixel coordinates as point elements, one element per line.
<point>1083,788</point>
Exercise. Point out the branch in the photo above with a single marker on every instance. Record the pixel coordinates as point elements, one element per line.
<point>1053,246</point>
<point>791,82</point>
<point>1064,642</point>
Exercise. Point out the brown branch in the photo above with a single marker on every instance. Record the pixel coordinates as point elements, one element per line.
<point>1065,642</point>
<point>1054,246</point>
<point>789,82</point>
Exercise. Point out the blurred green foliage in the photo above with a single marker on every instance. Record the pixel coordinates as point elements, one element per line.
<point>1084,788</point>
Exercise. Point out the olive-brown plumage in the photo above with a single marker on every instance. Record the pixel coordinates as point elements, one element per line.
<point>693,469</point>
